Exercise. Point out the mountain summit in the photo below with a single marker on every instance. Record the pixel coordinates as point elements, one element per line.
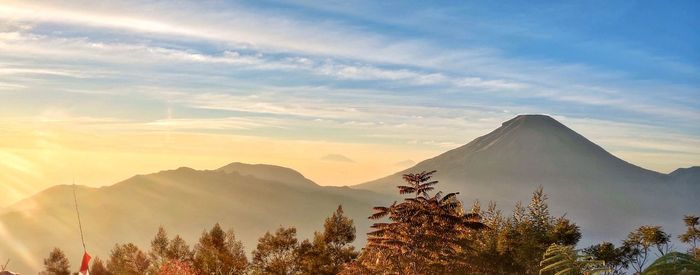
<point>528,149</point>
<point>581,178</point>
<point>269,172</point>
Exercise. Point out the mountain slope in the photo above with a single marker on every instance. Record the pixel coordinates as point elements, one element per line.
<point>184,201</point>
<point>690,175</point>
<point>604,194</point>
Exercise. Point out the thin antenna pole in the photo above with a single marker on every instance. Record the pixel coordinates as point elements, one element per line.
<point>80,224</point>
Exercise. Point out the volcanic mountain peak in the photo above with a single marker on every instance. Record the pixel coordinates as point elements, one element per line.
<point>527,148</point>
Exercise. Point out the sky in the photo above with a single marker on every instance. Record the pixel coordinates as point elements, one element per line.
<point>342,91</point>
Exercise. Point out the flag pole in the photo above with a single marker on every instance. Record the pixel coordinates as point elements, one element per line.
<point>80,224</point>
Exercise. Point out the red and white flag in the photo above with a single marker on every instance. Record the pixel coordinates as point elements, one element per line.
<point>85,264</point>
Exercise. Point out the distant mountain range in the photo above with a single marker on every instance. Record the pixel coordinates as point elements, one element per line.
<point>605,195</point>
<point>251,199</point>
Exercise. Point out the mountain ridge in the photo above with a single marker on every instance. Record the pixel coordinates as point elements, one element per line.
<point>185,201</point>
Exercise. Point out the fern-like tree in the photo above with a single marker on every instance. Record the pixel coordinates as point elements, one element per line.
<point>674,263</point>
<point>57,263</point>
<point>691,236</point>
<point>565,260</point>
<point>424,234</point>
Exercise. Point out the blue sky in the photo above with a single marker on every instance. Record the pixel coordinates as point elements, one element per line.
<point>413,77</point>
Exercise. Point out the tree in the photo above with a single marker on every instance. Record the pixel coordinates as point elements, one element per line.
<point>515,245</point>
<point>673,263</point>
<point>128,259</point>
<point>159,250</point>
<point>57,263</point>
<point>98,267</point>
<point>426,234</point>
<point>217,252</point>
<point>564,232</point>
<point>330,250</point>
<point>614,257</point>
<point>538,213</point>
<point>276,254</point>
<point>692,235</point>
<point>563,259</point>
<point>530,231</point>
<point>640,242</point>
<point>179,250</point>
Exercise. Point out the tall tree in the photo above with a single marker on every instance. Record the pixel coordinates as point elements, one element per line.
<point>330,250</point>
<point>692,235</point>
<point>159,250</point>
<point>538,213</point>
<point>128,259</point>
<point>57,263</point>
<point>276,253</point>
<point>218,252</point>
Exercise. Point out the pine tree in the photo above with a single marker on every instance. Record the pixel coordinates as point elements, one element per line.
<point>159,250</point>
<point>57,263</point>
<point>538,212</point>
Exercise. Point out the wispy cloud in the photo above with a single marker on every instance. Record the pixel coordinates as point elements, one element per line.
<point>359,78</point>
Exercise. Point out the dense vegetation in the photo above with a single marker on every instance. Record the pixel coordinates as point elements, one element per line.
<point>426,233</point>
